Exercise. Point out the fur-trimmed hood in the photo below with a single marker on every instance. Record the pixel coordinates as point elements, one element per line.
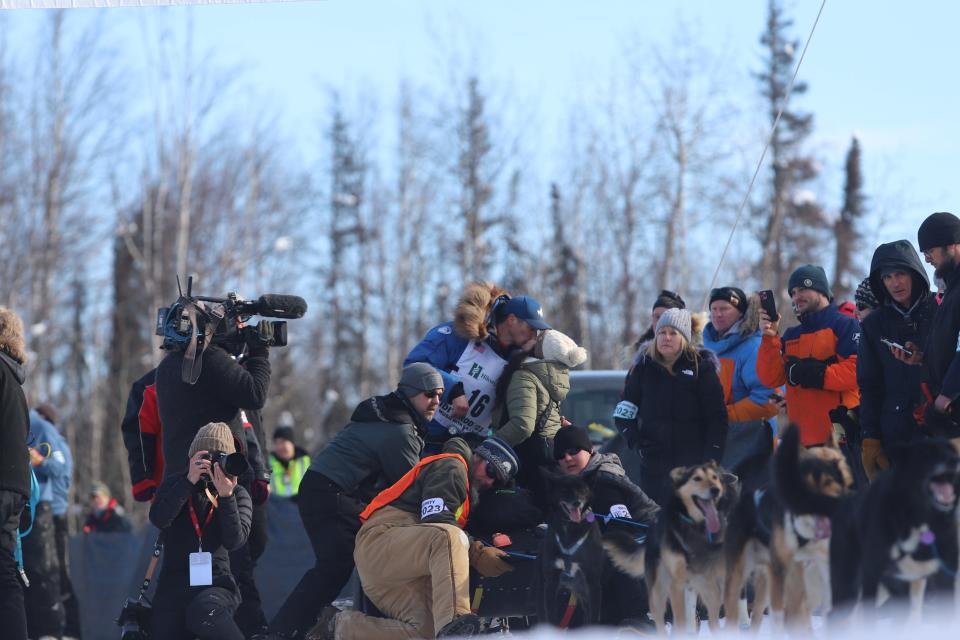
<point>11,335</point>
<point>471,317</point>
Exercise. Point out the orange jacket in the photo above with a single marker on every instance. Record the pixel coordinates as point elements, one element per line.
<point>824,335</point>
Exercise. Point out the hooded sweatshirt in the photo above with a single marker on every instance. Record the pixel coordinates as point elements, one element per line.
<point>381,443</point>
<point>890,390</point>
<point>745,396</point>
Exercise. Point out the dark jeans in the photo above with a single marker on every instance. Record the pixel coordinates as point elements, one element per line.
<point>67,594</point>
<point>243,563</point>
<point>13,617</point>
<point>331,519</point>
<point>207,615</point>
<point>45,612</point>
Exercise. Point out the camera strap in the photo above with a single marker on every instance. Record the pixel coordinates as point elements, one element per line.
<point>193,356</point>
<point>154,558</point>
<point>196,521</point>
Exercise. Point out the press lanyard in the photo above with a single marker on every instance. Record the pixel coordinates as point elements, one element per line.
<point>196,521</point>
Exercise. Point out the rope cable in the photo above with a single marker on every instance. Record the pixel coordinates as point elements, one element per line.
<point>756,172</point>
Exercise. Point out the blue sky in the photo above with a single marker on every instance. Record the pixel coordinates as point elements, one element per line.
<point>880,69</point>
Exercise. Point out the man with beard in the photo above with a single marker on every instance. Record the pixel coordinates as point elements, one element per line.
<point>891,389</point>
<point>381,443</point>
<point>816,359</point>
<point>939,240</point>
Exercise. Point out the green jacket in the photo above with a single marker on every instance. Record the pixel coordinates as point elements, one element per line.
<point>438,493</point>
<point>538,386</point>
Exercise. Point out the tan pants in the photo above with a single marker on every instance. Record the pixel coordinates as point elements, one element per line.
<point>417,574</point>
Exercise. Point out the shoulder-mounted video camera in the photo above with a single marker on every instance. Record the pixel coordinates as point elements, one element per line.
<point>193,323</point>
<point>217,320</point>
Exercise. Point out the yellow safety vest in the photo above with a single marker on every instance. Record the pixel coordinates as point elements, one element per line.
<point>285,482</point>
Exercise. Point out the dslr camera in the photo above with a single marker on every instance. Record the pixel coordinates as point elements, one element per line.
<point>215,320</point>
<point>134,620</point>
<point>233,464</point>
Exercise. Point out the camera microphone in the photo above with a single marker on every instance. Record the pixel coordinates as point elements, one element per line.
<point>278,305</point>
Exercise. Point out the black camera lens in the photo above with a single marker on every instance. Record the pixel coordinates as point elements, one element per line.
<point>233,464</point>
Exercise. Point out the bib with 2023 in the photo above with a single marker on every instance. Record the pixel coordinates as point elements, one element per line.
<point>479,368</point>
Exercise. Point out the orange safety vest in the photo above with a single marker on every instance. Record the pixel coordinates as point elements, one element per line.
<point>394,491</point>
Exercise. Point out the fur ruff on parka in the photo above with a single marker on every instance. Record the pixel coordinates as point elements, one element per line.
<point>471,317</point>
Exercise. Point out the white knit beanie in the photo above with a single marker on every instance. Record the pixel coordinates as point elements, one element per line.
<point>679,319</point>
<point>560,347</point>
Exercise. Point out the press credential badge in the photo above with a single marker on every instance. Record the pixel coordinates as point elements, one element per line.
<point>201,569</point>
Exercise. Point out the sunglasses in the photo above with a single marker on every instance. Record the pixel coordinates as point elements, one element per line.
<point>433,394</point>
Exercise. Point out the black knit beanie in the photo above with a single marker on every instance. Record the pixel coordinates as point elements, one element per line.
<point>669,300</point>
<point>733,295</point>
<point>571,437</point>
<point>810,276</point>
<point>940,229</point>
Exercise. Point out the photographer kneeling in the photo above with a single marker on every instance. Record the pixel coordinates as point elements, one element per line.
<point>204,514</point>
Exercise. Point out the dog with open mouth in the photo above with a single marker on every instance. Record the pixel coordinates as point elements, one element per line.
<point>777,546</point>
<point>685,548</point>
<point>902,528</point>
<point>571,559</point>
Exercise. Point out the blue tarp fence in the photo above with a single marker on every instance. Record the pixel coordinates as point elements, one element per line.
<point>107,568</point>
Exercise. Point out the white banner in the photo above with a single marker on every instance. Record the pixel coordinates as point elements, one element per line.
<point>100,4</point>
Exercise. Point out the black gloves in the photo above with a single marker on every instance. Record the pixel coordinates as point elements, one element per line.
<point>806,372</point>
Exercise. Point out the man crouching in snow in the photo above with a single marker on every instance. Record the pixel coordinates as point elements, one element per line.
<point>412,554</point>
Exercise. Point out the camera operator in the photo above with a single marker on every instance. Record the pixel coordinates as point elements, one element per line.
<point>203,513</point>
<point>223,388</point>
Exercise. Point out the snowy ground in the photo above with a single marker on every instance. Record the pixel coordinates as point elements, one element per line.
<point>932,629</point>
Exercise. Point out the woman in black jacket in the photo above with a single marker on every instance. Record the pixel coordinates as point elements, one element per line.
<point>203,514</point>
<point>673,411</point>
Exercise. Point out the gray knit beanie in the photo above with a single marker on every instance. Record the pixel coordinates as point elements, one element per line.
<point>679,319</point>
<point>417,378</point>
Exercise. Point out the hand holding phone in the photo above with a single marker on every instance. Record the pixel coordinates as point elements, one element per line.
<point>769,304</point>
<point>896,345</point>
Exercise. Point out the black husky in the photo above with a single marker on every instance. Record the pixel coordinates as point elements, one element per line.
<point>903,528</point>
<point>571,562</point>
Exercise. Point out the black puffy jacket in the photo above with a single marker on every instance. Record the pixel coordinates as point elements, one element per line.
<point>14,426</point>
<point>890,390</point>
<point>679,418</point>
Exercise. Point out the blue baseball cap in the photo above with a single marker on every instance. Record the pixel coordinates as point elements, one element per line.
<point>526,309</point>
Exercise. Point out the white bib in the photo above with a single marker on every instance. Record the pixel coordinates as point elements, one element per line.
<point>479,367</point>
